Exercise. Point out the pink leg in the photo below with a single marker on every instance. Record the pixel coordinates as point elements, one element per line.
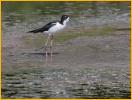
<point>46,51</point>
<point>51,44</point>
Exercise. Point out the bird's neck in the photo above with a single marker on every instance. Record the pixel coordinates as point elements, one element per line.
<point>63,22</point>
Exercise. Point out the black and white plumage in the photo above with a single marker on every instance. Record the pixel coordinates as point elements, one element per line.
<point>50,29</point>
<point>43,29</point>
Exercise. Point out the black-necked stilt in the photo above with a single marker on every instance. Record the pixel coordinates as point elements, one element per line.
<point>50,29</point>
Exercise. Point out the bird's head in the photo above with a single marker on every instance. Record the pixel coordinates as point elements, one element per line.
<point>64,19</point>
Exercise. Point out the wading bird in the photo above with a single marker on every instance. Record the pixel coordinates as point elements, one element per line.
<point>50,29</point>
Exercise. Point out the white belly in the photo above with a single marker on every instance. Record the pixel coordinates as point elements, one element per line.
<point>56,28</point>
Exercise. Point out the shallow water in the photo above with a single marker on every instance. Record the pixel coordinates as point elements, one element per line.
<point>24,73</point>
<point>60,83</point>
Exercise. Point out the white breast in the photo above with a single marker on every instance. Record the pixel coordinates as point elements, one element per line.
<point>56,28</point>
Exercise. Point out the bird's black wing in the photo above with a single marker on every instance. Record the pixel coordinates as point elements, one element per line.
<point>44,28</point>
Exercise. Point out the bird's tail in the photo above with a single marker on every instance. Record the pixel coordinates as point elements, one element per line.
<point>35,31</point>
